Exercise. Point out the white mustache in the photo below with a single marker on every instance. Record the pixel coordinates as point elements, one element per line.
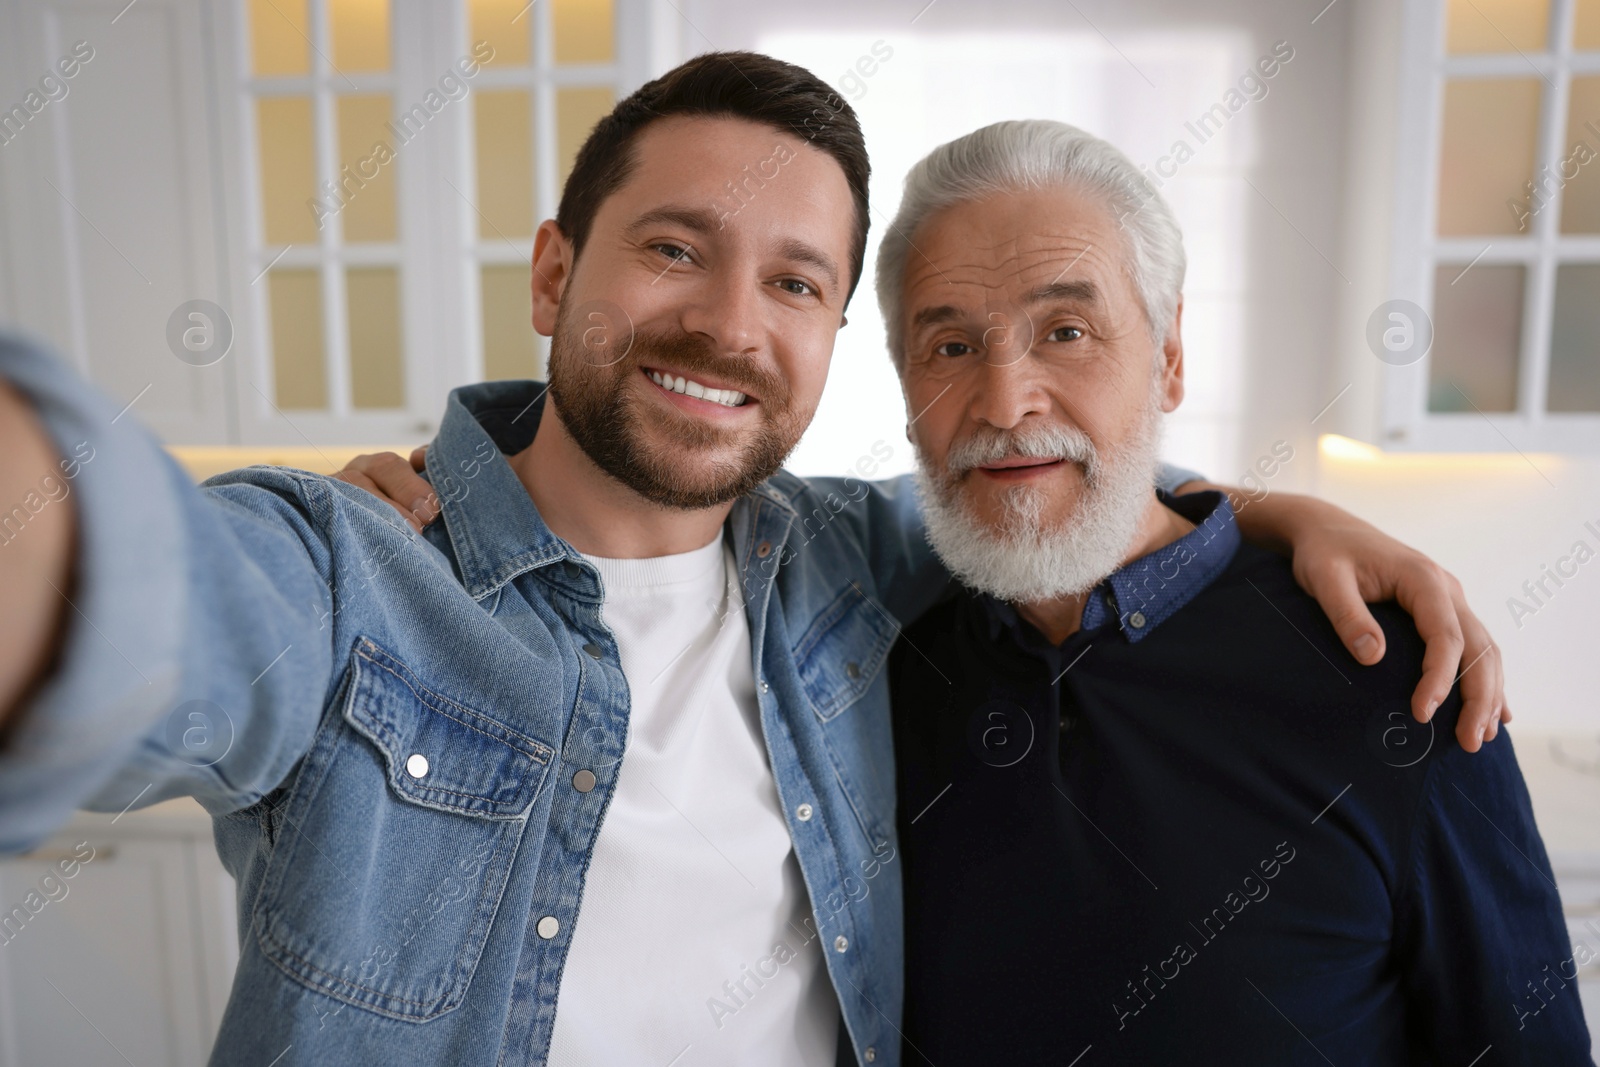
<point>990,445</point>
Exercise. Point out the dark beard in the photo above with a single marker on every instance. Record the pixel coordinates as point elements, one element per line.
<point>590,390</point>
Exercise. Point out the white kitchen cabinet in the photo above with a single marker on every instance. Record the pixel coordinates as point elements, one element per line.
<point>131,961</point>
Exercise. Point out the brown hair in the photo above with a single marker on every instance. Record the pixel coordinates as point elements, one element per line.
<point>745,85</point>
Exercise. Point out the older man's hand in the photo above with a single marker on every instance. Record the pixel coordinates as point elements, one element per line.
<point>1347,563</point>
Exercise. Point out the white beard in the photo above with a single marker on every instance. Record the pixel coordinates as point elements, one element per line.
<point>1025,561</point>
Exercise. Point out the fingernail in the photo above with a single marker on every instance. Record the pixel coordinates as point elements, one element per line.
<point>419,505</point>
<point>1366,646</point>
<point>1428,712</point>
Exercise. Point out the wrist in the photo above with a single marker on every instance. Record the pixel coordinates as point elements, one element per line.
<point>1280,521</point>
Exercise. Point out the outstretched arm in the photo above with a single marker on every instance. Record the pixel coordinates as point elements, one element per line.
<point>36,569</point>
<point>146,613</point>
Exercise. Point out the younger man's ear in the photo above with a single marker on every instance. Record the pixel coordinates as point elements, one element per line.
<point>552,267</point>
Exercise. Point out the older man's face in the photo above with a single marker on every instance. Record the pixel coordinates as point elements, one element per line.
<point>1022,324</point>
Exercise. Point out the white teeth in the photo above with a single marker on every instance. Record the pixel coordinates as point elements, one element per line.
<point>728,398</point>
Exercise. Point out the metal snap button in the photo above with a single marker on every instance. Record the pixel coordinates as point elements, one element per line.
<point>764,549</point>
<point>1136,620</point>
<point>803,813</point>
<point>841,943</point>
<point>416,765</point>
<point>548,927</point>
<point>853,669</point>
<point>593,649</point>
<point>583,781</point>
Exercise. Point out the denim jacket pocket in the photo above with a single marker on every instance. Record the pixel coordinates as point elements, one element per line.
<point>398,839</point>
<point>842,651</point>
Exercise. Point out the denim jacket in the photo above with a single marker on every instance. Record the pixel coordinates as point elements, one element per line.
<point>385,726</point>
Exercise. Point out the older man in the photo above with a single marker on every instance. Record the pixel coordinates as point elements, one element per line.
<point>1150,810</point>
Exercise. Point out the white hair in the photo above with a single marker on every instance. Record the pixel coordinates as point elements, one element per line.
<point>1036,154</point>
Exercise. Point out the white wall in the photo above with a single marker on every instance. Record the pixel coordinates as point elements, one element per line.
<point>1285,214</point>
<point>1257,309</point>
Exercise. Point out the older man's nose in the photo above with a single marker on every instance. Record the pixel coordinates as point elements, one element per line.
<point>1009,390</point>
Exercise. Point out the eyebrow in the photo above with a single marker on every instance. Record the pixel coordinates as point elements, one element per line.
<point>934,316</point>
<point>696,219</point>
<point>1083,291</point>
<point>800,252</point>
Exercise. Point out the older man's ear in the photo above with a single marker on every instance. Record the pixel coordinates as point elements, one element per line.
<point>1172,362</point>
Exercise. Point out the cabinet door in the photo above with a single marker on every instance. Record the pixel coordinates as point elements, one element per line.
<point>109,224</point>
<point>108,967</point>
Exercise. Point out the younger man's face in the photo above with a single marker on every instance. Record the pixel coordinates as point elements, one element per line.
<point>723,261</point>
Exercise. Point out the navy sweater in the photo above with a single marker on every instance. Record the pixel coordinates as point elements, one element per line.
<point>1212,838</point>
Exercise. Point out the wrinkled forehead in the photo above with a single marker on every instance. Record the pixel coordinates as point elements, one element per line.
<point>1000,250</point>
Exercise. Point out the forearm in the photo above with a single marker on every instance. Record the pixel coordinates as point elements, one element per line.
<point>160,595</point>
<point>37,545</point>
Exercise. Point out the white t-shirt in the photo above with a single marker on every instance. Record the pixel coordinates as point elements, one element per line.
<point>691,940</point>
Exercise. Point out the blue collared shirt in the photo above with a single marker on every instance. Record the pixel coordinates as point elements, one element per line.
<point>386,726</point>
<point>1147,591</point>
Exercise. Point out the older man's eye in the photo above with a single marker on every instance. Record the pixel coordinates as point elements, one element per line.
<point>953,349</point>
<point>677,253</point>
<point>796,287</point>
<point>1065,333</point>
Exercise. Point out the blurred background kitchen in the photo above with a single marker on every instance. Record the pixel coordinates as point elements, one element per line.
<point>283,230</point>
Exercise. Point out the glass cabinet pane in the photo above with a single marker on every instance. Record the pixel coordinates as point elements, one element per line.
<point>1575,340</point>
<point>506,26</point>
<point>377,377</point>
<point>298,360</point>
<point>366,168</point>
<point>505,163</point>
<point>288,165</point>
<point>577,110</point>
<point>583,31</point>
<point>360,31</point>
<point>1497,26</point>
<point>1477,337</point>
<point>510,347</point>
<point>280,37</point>
<point>1586,29</point>
<point>1486,156</point>
<point>1578,171</point>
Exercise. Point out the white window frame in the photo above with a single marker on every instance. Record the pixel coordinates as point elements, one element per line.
<point>1424,69</point>
<point>438,251</point>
